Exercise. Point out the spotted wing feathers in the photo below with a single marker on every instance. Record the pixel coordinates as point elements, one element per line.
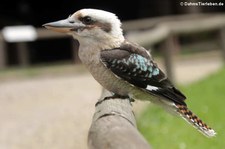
<point>138,69</point>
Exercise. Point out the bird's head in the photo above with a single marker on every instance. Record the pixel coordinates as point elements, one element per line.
<point>91,26</point>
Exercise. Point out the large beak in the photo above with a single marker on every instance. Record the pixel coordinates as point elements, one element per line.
<point>63,26</point>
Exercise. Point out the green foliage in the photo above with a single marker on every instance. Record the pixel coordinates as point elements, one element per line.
<point>206,98</point>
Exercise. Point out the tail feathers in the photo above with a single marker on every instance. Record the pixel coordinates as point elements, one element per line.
<point>190,117</point>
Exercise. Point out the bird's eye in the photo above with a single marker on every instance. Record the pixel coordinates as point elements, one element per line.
<point>87,20</point>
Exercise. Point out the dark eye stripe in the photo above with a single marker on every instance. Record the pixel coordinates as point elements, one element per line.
<point>91,23</point>
<point>104,26</point>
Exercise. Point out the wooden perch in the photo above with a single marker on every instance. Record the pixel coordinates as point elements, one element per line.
<point>114,126</point>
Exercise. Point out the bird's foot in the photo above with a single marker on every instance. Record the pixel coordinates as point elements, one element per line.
<point>114,96</point>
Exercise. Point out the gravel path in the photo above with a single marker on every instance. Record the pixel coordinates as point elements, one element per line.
<point>56,112</point>
<point>49,113</point>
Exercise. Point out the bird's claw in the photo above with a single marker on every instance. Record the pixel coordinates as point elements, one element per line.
<point>114,97</point>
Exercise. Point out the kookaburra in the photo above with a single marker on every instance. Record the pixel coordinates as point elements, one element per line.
<point>124,68</point>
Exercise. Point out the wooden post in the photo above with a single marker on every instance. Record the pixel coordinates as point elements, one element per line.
<point>114,126</point>
<point>3,55</point>
<point>168,48</point>
<point>23,55</point>
<point>222,41</point>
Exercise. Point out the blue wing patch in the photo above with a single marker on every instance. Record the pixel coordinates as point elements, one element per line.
<point>142,72</point>
<point>134,68</point>
<point>137,65</point>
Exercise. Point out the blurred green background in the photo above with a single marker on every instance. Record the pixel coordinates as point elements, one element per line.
<point>206,98</point>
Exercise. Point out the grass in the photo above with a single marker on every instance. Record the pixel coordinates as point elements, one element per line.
<point>206,98</point>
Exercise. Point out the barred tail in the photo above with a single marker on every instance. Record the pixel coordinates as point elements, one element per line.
<point>190,117</point>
